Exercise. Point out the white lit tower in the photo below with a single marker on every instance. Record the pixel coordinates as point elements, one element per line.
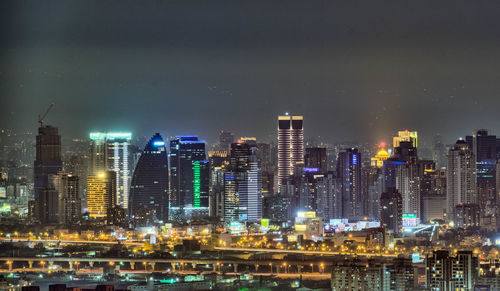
<point>290,145</point>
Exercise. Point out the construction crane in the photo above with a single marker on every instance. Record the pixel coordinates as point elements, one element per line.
<point>42,117</point>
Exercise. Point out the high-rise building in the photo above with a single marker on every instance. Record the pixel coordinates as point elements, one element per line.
<point>69,207</point>
<point>111,152</point>
<point>290,146</point>
<point>219,160</point>
<point>460,178</point>
<point>189,178</point>
<point>316,158</point>
<point>449,273</point>
<point>101,194</point>
<point>408,183</point>
<point>328,196</point>
<point>483,146</point>
<point>349,172</point>
<point>391,210</point>
<point>149,187</point>
<point>405,172</point>
<point>406,135</point>
<point>243,185</point>
<point>48,161</point>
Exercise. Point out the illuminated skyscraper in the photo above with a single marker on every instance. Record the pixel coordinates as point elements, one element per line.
<point>460,178</point>
<point>219,160</point>
<point>408,183</point>
<point>243,185</point>
<point>101,194</point>
<point>69,208</point>
<point>349,172</point>
<point>406,135</point>
<point>110,152</point>
<point>48,161</point>
<point>149,187</point>
<point>483,147</point>
<point>189,181</point>
<point>290,145</point>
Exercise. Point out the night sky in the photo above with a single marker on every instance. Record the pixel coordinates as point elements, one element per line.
<point>356,70</point>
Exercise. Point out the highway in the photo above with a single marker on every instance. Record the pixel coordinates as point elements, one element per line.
<point>305,252</point>
<point>73,241</point>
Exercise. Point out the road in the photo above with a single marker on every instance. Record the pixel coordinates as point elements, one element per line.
<point>305,252</point>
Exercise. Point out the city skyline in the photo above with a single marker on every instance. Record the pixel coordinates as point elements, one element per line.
<point>249,145</point>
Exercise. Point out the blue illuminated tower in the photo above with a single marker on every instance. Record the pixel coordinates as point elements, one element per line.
<point>349,172</point>
<point>149,187</point>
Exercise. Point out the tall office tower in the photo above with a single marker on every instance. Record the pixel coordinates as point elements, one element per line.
<point>483,147</point>
<point>305,189</point>
<point>101,194</point>
<point>69,209</point>
<point>460,178</point>
<point>149,188</point>
<point>219,160</point>
<point>316,158</point>
<point>400,156</point>
<point>231,198</point>
<point>225,140</point>
<point>110,152</point>
<point>188,196</point>
<point>405,135</point>
<point>355,275</point>
<point>374,189</point>
<point>408,183</point>
<point>391,210</point>
<point>243,185</point>
<point>349,171</point>
<point>48,161</point>
<point>78,165</point>
<point>404,172</point>
<point>328,197</point>
<point>447,273</point>
<point>290,146</point>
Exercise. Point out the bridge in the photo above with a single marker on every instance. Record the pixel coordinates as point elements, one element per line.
<point>306,252</point>
<point>149,265</point>
<point>72,241</point>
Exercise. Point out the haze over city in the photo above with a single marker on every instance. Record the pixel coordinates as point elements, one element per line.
<point>355,70</point>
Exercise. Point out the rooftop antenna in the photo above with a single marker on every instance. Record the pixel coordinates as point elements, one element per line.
<point>42,117</point>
